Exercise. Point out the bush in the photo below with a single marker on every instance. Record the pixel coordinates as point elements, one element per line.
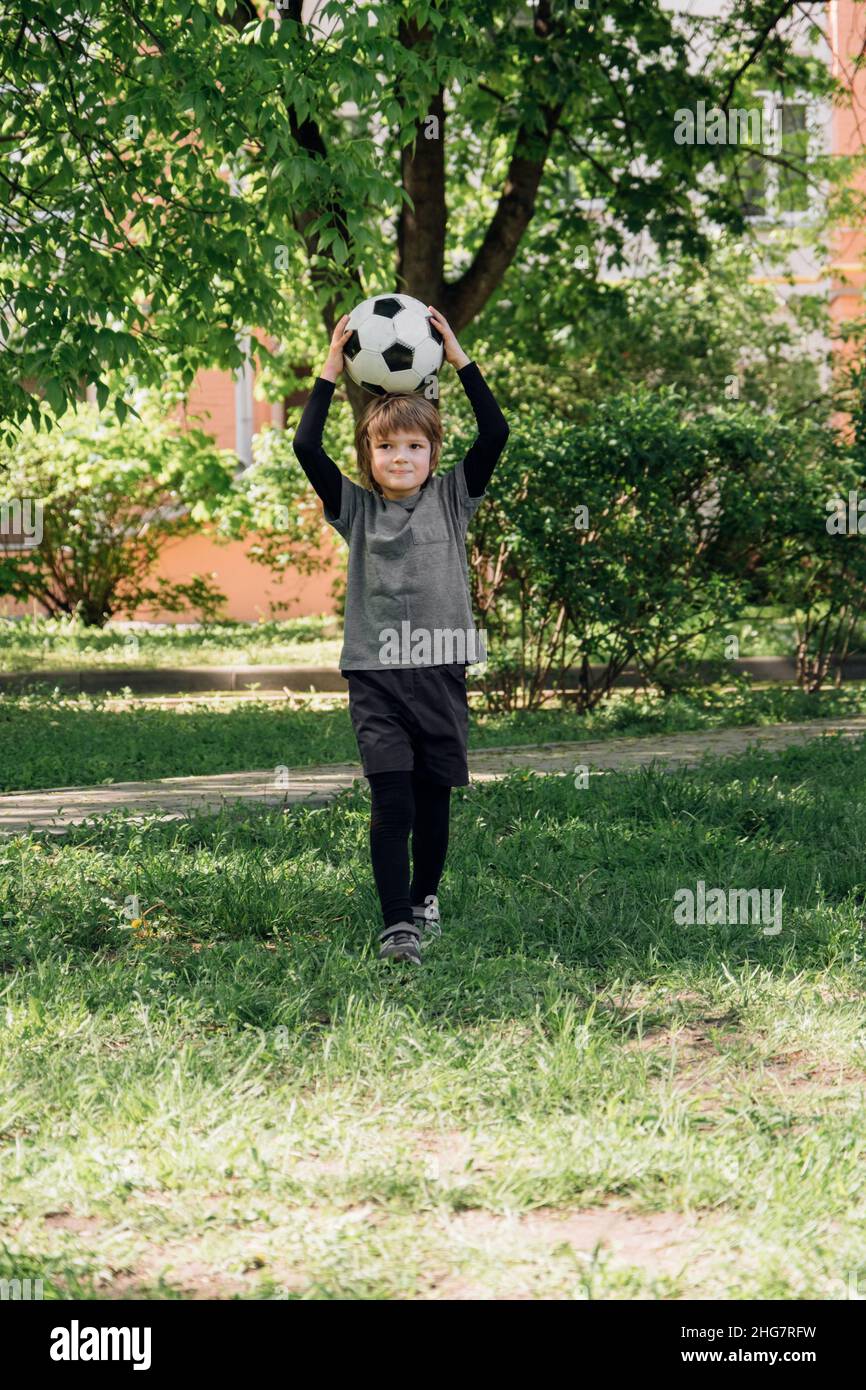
<point>110,497</point>
<point>815,563</point>
<point>623,539</point>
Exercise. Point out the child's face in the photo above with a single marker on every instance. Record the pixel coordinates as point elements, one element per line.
<point>400,462</point>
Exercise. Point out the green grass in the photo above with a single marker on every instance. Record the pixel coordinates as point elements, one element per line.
<point>234,1098</point>
<point>64,644</point>
<point>57,741</point>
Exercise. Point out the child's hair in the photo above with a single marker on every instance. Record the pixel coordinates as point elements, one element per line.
<point>388,413</point>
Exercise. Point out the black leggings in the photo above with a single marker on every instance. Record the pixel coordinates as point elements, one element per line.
<point>404,802</point>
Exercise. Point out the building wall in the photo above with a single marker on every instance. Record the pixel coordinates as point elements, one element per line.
<point>847,32</point>
<point>250,589</point>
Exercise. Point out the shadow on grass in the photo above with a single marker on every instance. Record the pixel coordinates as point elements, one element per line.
<point>260,920</point>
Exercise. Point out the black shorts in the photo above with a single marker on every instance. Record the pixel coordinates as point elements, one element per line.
<point>412,718</point>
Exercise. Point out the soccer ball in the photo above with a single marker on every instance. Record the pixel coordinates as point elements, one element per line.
<point>394,346</point>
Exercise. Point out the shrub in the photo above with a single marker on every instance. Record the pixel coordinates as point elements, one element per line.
<point>111,496</point>
<point>623,539</point>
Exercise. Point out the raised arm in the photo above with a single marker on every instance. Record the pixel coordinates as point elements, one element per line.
<point>321,470</point>
<point>483,455</point>
<point>481,459</point>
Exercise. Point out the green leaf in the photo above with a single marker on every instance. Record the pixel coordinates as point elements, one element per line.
<point>55,395</point>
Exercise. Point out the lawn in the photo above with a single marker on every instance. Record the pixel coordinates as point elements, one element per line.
<point>572,1097</point>
<point>56,740</point>
<point>65,644</point>
<point>41,644</point>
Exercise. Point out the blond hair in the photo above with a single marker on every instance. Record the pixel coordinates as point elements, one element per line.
<point>387,414</point>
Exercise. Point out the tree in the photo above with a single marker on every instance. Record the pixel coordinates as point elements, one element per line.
<point>176,177</point>
<point>703,327</point>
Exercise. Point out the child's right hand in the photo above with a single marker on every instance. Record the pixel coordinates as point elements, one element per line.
<point>339,339</point>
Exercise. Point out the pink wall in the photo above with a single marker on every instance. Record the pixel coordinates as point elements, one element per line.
<point>847,33</point>
<point>212,398</point>
<point>249,587</point>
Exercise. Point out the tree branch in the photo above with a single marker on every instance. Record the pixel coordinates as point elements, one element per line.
<point>757,48</point>
<point>421,228</point>
<point>464,299</point>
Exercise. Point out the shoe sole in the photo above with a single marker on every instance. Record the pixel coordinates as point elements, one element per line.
<point>402,954</point>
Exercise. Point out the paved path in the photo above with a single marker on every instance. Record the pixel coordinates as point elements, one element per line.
<point>54,810</point>
<point>153,680</point>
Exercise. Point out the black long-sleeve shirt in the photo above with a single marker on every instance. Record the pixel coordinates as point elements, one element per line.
<point>478,464</point>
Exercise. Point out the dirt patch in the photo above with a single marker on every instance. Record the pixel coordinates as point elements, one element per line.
<point>693,1045</point>
<point>712,1030</point>
<point>708,1077</point>
<point>252,1263</point>
<point>313,1165</point>
<point>687,1040</point>
<point>702,1070</point>
<point>797,1070</point>
<point>255,1262</point>
<point>192,1279</point>
<point>449,1152</point>
<point>433,1154</point>
<point>658,1243</point>
<point>178,1267</point>
<point>654,1238</point>
<point>68,1221</point>
<point>639,999</point>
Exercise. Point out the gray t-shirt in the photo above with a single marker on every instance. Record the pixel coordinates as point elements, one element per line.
<point>408,575</point>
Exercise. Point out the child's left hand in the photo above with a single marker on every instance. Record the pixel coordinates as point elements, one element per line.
<point>452,349</point>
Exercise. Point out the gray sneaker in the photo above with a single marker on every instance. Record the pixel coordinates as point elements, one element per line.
<point>401,942</point>
<point>427,920</point>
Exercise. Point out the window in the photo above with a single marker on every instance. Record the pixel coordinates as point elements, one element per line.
<point>775,191</point>
<point>793,186</point>
<point>244,406</point>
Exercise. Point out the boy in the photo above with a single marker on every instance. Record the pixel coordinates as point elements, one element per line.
<point>406,530</point>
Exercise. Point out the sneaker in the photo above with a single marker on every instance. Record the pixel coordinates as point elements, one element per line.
<point>401,942</point>
<point>427,920</point>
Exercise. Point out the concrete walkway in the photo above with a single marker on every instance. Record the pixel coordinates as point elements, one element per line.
<point>173,680</point>
<point>173,797</point>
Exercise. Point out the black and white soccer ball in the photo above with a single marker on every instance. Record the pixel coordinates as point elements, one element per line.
<point>394,346</point>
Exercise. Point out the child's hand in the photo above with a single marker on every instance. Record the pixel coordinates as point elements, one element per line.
<point>339,339</point>
<point>453,351</point>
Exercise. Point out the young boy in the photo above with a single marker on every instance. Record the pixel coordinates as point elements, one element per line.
<point>406,530</point>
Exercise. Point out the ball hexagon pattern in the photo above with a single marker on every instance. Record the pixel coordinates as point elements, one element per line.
<point>393,345</point>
